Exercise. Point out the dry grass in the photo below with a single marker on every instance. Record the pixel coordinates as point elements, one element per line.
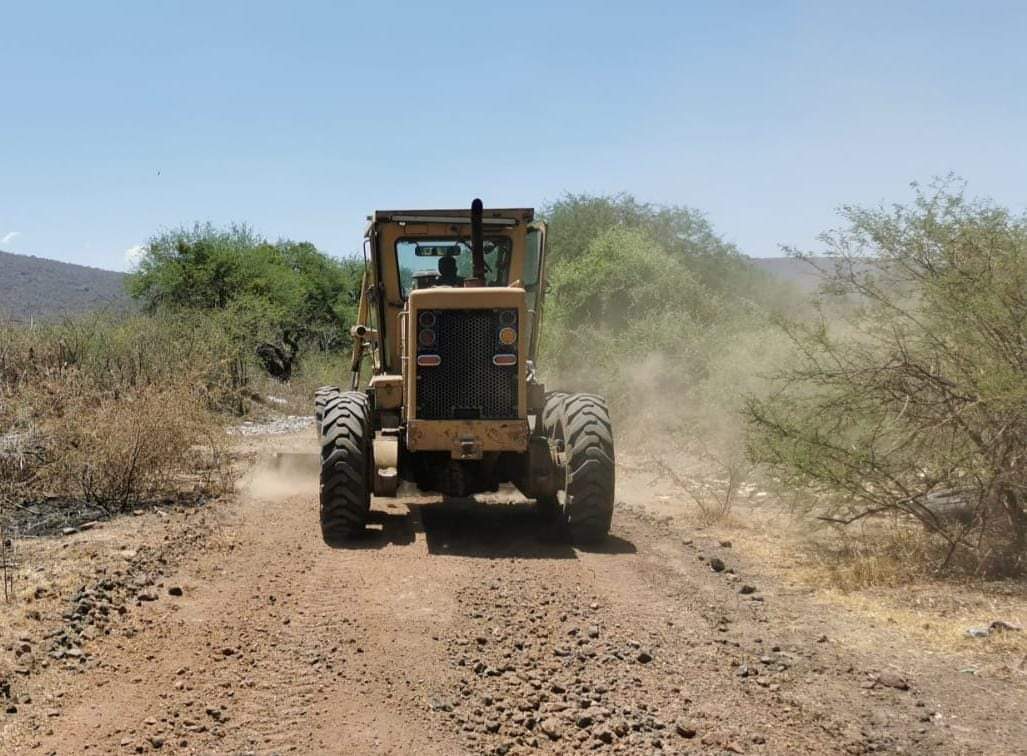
<point>881,572</point>
<point>296,396</point>
<point>140,447</point>
<point>111,411</point>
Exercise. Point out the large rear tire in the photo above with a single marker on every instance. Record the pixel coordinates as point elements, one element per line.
<point>345,432</point>
<point>587,436</point>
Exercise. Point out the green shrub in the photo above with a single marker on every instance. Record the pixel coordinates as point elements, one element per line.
<point>647,306</point>
<point>281,298</point>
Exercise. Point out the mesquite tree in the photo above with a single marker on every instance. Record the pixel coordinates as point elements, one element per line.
<point>916,401</point>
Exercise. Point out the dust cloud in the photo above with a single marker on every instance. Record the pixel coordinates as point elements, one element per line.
<point>279,476</point>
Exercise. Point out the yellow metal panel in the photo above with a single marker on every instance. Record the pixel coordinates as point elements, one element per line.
<point>388,391</point>
<point>453,435</point>
<point>479,298</point>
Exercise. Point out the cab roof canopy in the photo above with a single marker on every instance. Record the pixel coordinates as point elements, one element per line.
<point>505,216</point>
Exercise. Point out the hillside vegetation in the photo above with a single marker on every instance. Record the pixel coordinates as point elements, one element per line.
<point>31,287</point>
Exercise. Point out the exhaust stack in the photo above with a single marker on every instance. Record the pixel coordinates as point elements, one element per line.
<point>477,246</point>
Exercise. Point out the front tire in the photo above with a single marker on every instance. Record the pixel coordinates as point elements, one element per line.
<point>579,426</point>
<point>587,435</point>
<point>321,397</point>
<point>345,433</point>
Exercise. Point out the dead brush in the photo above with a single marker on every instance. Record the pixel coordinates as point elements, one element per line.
<point>884,553</point>
<point>715,496</point>
<point>136,448</point>
<point>116,412</point>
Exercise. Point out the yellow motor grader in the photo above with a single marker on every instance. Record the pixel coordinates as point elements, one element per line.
<point>444,392</point>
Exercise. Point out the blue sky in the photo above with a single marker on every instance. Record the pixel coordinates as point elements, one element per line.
<point>117,119</point>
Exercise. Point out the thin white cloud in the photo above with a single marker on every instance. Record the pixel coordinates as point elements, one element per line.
<point>9,237</point>
<point>133,255</point>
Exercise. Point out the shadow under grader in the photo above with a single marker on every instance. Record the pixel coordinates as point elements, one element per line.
<point>471,528</point>
<point>509,530</point>
<point>383,529</point>
<point>465,527</point>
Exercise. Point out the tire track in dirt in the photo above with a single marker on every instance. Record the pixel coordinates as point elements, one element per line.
<point>457,629</point>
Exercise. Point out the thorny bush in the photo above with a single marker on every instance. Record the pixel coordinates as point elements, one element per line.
<point>917,404</point>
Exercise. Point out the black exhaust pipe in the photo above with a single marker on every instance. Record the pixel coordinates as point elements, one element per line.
<point>477,247</point>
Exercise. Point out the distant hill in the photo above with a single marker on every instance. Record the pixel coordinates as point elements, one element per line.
<point>798,272</point>
<point>33,287</point>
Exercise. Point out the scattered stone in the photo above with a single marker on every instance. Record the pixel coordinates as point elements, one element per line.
<point>684,729</point>
<point>745,590</point>
<point>175,590</point>
<point>726,544</point>
<point>644,657</point>
<point>997,626</point>
<point>440,704</point>
<point>892,680</point>
<point>69,531</point>
<point>147,596</point>
<point>717,564</point>
<point>552,728</point>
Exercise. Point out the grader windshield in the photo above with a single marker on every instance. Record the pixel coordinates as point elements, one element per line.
<point>424,263</point>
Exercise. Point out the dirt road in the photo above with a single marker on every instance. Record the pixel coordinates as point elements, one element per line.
<point>457,629</point>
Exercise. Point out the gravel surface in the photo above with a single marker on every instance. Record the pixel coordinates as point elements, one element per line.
<point>453,628</point>
<point>277,427</point>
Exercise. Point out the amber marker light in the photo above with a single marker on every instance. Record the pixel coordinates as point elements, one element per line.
<point>507,336</point>
<point>504,360</point>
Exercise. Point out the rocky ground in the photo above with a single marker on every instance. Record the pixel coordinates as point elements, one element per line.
<point>230,627</point>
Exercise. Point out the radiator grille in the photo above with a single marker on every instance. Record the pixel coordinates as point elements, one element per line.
<point>466,384</point>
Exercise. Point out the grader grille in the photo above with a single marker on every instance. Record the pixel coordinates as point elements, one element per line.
<point>466,384</point>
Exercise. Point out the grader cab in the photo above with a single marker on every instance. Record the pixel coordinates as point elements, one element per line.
<point>444,392</point>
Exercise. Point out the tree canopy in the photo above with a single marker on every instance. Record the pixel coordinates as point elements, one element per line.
<point>283,295</point>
